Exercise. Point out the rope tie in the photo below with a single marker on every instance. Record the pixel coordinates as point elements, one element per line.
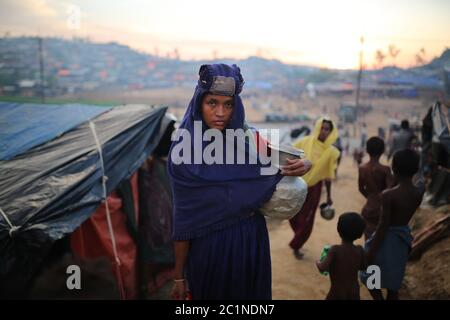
<point>108,214</point>
<point>12,228</point>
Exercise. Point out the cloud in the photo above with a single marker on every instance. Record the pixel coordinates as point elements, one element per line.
<point>29,8</point>
<point>29,16</point>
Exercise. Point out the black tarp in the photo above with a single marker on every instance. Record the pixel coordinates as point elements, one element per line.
<point>435,161</point>
<point>48,191</point>
<point>24,126</point>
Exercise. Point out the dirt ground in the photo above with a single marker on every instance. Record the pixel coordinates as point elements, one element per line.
<point>428,277</point>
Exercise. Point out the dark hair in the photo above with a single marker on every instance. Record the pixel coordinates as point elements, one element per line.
<point>404,124</point>
<point>405,163</point>
<point>351,226</point>
<point>375,146</point>
<point>329,122</point>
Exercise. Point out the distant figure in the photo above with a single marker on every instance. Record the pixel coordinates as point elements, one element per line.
<point>401,139</point>
<point>347,148</point>
<point>343,261</point>
<point>373,178</point>
<point>382,133</point>
<point>363,135</point>
<point>346,132</point>
<point>300,132</point>
<point>338,145</point>
<point>358,155</point>
<point>390,245</point>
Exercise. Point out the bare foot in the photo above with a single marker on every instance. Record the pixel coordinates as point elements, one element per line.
<point>299,255</point>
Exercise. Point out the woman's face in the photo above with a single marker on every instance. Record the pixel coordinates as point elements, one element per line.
<point>324,131</point>
<point>217,111</point>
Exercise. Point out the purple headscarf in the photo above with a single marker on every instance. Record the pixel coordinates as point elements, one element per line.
<point>206,197</point>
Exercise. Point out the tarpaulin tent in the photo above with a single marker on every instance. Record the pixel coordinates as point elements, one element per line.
<point>436,154</point>
<point>93,239</point>
<point>24,126</point>
<point>51,185</point>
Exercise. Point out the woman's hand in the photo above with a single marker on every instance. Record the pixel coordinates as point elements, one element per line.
<point>179,290</point>
<point>296,167</point>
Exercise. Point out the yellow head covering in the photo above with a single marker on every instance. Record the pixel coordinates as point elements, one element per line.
<point>323,155</point>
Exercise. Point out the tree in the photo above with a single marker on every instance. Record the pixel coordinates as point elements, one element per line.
<point>420,57</point>
<point>393,52</point>
<point>380,56</point>
<point>176,54</point>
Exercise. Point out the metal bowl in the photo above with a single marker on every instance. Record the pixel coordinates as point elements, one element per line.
<point>327,212</point>
<point>285,152</point>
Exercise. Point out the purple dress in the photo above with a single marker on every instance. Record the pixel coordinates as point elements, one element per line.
<point>232,264</point>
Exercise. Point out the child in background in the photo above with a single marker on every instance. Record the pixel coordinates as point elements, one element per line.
<point>389,247</point>
<point>373,178</point>
<point>358,155</point>
<point>344,260</point>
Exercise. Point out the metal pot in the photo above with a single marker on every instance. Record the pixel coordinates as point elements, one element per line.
<point>290,193</point>
<point>327,212</point>
<point>285,152</point>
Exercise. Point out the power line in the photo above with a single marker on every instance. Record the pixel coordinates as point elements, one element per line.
<point>41,70</point>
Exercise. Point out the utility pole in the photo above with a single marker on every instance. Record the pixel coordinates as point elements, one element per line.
<point>41,70</point>
<point>358,84</point>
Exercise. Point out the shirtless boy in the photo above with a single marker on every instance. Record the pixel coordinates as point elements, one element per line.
<point>373,178</point>
<point>344,260</point>
<point>390,246</point>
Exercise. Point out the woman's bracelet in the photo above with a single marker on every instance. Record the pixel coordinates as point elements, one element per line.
<point>178,280</point>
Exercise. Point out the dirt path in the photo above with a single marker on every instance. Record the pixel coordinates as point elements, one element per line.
<point>293,279</point>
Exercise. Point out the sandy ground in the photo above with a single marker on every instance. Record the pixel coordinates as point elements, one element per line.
<point>294,279</point>
<point>428,276</point>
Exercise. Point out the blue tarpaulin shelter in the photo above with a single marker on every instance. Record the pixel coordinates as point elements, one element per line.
<point>24,126</point>
<point>53,163</point>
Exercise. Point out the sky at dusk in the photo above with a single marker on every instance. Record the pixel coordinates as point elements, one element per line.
<point>322,33</point>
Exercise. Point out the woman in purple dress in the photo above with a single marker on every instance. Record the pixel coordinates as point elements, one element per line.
<point>221,240</point>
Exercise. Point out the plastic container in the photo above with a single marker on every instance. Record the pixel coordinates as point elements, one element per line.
<point>323,255</point>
